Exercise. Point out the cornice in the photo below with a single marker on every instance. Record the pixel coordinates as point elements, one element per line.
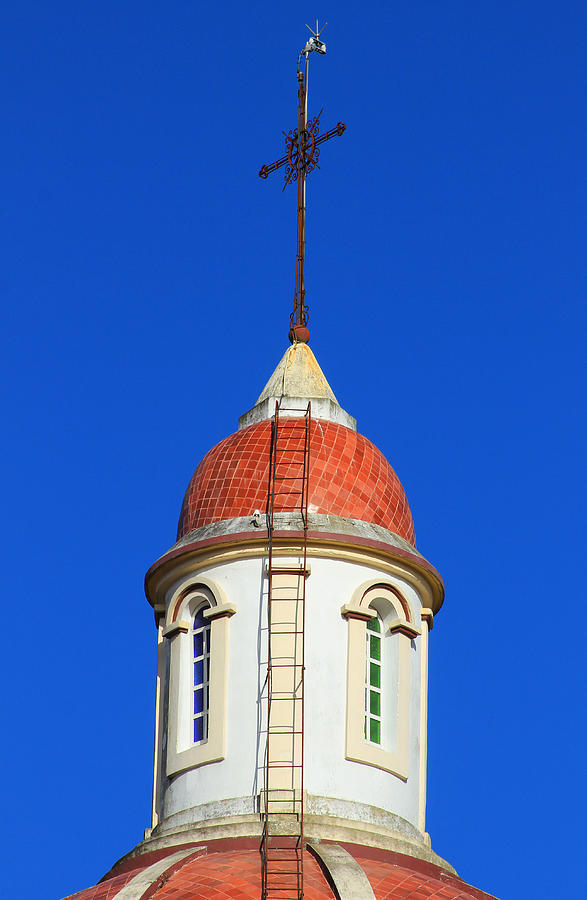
<point>192,555</point>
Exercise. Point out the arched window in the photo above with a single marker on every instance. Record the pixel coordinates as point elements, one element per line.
<point>197,629</point>
<point>374,680</point>
<point>201,631</point>
<point>381,637</point>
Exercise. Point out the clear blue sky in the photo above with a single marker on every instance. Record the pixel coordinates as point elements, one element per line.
<point>147,278</point>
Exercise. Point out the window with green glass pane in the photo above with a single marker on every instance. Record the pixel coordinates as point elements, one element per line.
<point>373,681</point>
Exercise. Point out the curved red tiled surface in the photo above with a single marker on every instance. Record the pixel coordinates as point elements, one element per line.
<point>391,882</point>
<point>236,875</point>
<point>348,477</point>
<point>105,890</point>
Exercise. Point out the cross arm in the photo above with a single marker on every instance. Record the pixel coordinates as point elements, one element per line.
<point>264,171</point>
<point>338,129</point>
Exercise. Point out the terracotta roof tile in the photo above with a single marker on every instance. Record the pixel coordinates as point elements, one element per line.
<point>349,477</point>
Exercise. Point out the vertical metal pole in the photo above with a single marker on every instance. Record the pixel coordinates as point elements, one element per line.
<point>303,218</point>
<point>298,316</point>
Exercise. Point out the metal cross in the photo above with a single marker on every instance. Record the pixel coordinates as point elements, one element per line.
<point>301,157</point>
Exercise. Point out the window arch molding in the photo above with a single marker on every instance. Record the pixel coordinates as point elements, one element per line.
<point>383,600</point>
<point>187,600</point>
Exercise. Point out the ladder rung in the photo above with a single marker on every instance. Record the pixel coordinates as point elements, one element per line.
<point>289,699</point>
<point>289,873</point>
<point>286,666</point>
<point>291,631</point>
<point>272,731</point>
<point>281,801</point>
<point>293,456</point>
<point>286,599</point>
<point>295,862</point>
<point>271,887</point>
<point>303,412</point>
<point>284,871</point>
<point>294,851</point>
<point>291,790</point>
<point>293,847</point>
<point>272,632</point>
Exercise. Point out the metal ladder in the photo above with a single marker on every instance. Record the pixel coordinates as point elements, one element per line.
<point>282,843</point>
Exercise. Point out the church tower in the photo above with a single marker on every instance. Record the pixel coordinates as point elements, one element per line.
<point>293,617</point>
<point>343,607</point>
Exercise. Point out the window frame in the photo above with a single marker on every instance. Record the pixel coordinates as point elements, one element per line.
<point>204,630</point>
<point>182,752</point>
<point>382,600</point>
<point>371,688</point>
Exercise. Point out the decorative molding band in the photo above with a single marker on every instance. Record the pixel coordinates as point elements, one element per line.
<point>400,627</point>
<point>190,557</point>
<point>427,616</point>
<point>364,613</point>
<point>217,612</point>
<point>175,628</point>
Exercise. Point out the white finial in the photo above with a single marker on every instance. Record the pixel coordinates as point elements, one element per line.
<point>314,43</point>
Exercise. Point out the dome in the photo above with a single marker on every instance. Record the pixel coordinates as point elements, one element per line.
<point>348,477</point>
<point>219,873</point>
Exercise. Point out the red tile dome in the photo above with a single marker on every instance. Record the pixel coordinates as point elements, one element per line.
<point>349,477</point>
<point>210,874</point>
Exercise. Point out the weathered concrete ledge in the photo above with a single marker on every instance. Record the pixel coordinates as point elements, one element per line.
<point>322,408</point>
<point>325,819</point>
<point>248,536</point>
<point>318,522</point>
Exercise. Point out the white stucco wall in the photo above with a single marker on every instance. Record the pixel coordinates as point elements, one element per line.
<point>330,585</point>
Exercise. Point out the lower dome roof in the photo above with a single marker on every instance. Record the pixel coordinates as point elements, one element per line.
<point>206,874</point>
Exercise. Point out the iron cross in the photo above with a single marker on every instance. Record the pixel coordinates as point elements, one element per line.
<point>301,157</point>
